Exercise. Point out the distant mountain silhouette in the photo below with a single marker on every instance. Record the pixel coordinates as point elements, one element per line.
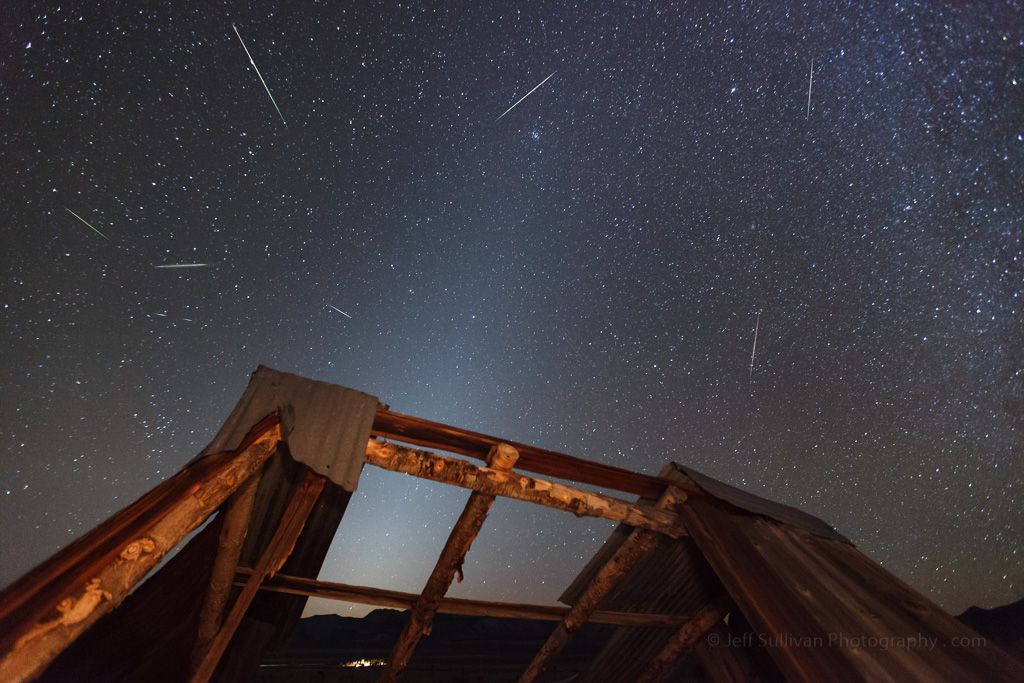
<point>1002,625</point>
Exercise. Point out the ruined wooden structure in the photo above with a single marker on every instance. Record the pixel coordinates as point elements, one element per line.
<point>784,596</point>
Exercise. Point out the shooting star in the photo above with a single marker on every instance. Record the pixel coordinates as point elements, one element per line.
<point>184,265</point>
<point>340,311</point>
<point>523,98</point>
<point>87,223</point>
<point>810,85</point>
<point>757,326</point>
<point>273,101</point>
<point>162,315</point>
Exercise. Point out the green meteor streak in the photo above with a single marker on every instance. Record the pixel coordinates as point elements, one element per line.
<point>272,100</point>
<point>87,223</point>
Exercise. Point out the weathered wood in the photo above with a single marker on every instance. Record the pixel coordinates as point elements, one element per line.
<point>766,605</point>
<point>443,437</point>
<point>237,512</point>
<point>496,482</point>
<point>51,606</point>
<point>502,458</point>
<point>277,551</point>
<point>637,544</point>
<point>366,595</point>
<point>661,666</point>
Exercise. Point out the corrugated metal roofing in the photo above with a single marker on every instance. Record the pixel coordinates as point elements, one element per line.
<point>829,611</point>
<point>326,425</point>
<point>758,505</point>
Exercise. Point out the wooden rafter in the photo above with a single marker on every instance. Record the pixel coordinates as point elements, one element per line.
<point>277,551</point>
<point>637,544</point>
<point>52,605</point>
<point>495,482</point>
<point>416,430</point>
<point>237,511</point>
<point>663,662</point>
<point>501,458</point>
<point>366,595</point>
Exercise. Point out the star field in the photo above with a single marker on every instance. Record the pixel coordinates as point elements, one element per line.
<point>583,274</point>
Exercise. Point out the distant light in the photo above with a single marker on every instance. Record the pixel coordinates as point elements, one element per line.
<point>28,44</point>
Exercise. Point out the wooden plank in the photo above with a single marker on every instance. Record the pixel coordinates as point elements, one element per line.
<point>467,527</point>
<point>237,513</point>
<point>636,545</point>
<point>762,595</point>
<point>51,606</point>
<point>496,482</point>
<point>277,551</point>
<point>366,595</point>
<point>443,437</point>
<point>662,664</point>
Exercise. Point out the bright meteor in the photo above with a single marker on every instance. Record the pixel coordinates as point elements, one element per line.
<point>87,223</point>
<point>184,265</point>
<point>523,97</point>
<point>340,311</point>
<point>272,100</point>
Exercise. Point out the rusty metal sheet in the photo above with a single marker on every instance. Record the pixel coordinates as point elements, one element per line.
<point>326,425</point>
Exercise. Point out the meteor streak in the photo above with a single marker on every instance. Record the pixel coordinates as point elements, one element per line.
<point>340,311</point>
<point>184,265</point>
<point>272,100</point>
<point>87,223</point>
<point>523,98</point>
<point>757,326</point>
<point>810,84</point>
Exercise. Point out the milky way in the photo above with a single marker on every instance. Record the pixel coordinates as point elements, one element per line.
<point>585,274</point>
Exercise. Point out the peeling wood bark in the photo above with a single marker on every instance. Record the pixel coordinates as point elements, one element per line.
<point>636,545</point>
<point>277,551</point>
<point>416,430</point>
<point>51,606</point>
<point>496,482</point>
<point>365,595</point>
<point>662,664</point>
<point>502,458</point>
<point>237,512</point>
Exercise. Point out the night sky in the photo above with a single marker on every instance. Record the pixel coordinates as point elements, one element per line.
<point>584,274</point>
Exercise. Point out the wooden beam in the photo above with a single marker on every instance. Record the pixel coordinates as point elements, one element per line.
<point>636,545</point>
<point>662,664</point>
<point>46,610</point>
<point>502,458</point>
<point>237,511</point>
<point>443,437</point>
<point>366,595</point>
<point>275,555</point>
<point>495,482</point>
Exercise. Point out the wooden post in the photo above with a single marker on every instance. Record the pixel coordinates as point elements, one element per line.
<point>237,512</point>
<point>662,664</point>
<point>277,551</point>
<point>636,545</point>
<point>366,595</point>
<point>502,458</point>
<point>497,482</point>
<point>51,606</point>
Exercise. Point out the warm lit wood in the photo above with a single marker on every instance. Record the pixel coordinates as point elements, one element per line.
<point>277,551</point>
<point>381,597</point>
<point>416,430</point>
<point>496,482</point>
<point>51,606</point>
<point>501,459</point>
<point>237,511</point>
